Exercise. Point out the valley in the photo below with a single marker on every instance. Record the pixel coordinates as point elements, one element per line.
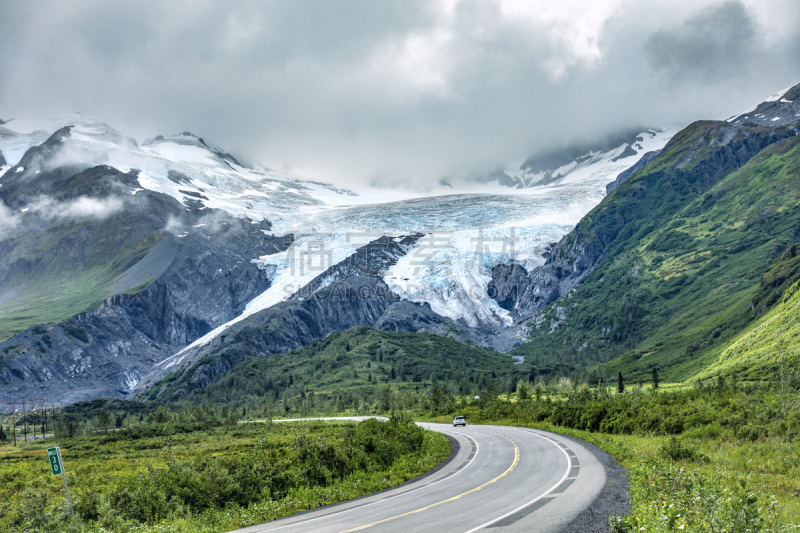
<point>642,297</point>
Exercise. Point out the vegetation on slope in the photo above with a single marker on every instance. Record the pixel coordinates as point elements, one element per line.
<point>770,345</point>
<point>62,280</point>
<point>359,360</point>
<point>682,274</point>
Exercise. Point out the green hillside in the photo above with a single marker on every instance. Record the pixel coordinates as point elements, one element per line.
<point>687,249</point>
<point>358,359</point>
<point>62,274</point>
<point>757,351</point>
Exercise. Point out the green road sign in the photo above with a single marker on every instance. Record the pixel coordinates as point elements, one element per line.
<point>57,466</point>
<point>55,461</point>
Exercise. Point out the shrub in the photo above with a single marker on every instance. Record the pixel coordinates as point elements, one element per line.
<point>265,473</point>
<point>668,498</point>
<point>677,450</point>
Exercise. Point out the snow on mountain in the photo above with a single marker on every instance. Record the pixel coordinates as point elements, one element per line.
<point>182,166</point>
<point>14,141</point>
<point>466,234</point>
<point>780,109</point>
<point>604,160</point>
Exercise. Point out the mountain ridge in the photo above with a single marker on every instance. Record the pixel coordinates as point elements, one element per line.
<point>195,261</point>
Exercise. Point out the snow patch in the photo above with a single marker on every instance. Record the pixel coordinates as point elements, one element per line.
<point>775,97</point>
<point>778,95</point>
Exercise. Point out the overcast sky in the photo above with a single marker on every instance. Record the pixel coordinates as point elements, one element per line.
<point>394,94</point>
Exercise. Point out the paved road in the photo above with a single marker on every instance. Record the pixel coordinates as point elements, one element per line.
<point>509,478</point>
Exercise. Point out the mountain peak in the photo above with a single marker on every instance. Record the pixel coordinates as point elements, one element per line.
<point>780,109</point>
<point>603,159</point>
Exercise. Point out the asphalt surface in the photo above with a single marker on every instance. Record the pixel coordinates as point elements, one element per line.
<point>502,478</point>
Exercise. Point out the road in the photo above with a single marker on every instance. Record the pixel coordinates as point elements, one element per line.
<point>515,479</point>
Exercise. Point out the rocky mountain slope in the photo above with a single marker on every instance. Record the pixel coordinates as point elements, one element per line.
<point>115,277</point>
<point>666,267</point>
<point>114,281</point>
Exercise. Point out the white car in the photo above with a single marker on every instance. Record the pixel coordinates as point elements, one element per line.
<point>459,421</point>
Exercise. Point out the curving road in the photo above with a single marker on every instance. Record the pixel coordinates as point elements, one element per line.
<point>514,479</point>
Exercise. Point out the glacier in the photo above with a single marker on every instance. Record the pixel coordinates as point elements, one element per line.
<point>466,233</point>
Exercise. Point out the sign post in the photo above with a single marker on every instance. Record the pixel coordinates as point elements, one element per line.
<point>57,467</point>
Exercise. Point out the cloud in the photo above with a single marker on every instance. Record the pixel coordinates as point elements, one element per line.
<point>718,41</point>
<point>81,207</point>
<point>84,207</point>
<point>8,220</point>
<point>395,94</point>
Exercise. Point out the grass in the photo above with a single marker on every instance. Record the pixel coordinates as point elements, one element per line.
<point>755,349</point>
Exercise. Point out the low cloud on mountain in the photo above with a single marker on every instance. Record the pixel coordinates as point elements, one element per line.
<point>81,207</point>
<point>8,220</point>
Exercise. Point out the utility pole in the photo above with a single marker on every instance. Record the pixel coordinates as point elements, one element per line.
<point>53,412</point>
<point>13,425</point>
<point>13,418</point>
<point>33,403</point>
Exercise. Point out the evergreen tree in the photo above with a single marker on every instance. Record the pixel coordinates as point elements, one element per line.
<point>523,392</point>
<point>655,378</point>
<point>392,375</point>
<point>3,436</point>
<point>385,402</point>
<point>620,384</point>
<point>104,420</point>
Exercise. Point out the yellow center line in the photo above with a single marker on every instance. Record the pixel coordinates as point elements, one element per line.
<point>476,489</point>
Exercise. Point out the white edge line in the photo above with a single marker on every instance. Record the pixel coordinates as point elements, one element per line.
<point>477,449</point>
<point>521,507</point>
